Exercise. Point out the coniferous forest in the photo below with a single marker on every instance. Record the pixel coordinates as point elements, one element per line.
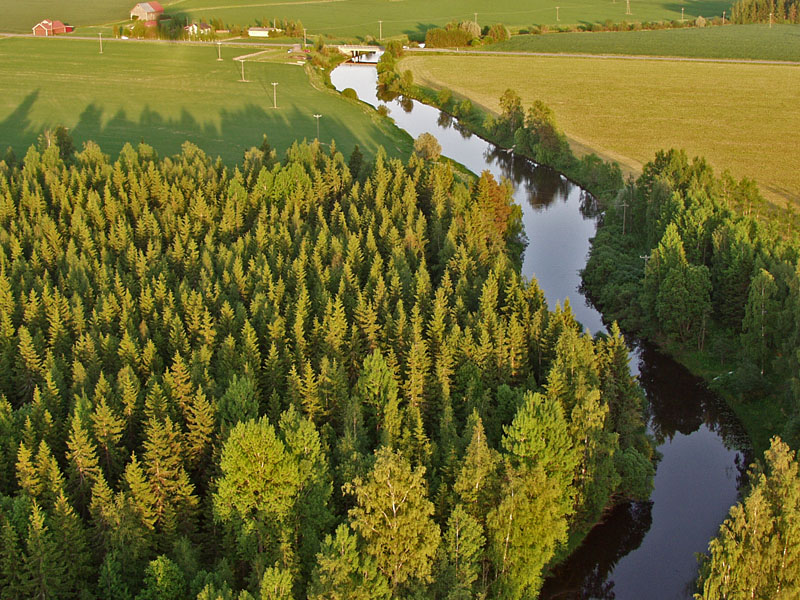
<point>310,377</point>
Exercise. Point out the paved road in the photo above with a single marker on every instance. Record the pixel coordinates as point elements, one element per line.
<point>611,56</point>
<point>233,42</point>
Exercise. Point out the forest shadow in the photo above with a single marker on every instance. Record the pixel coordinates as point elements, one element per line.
<point>228,135</point>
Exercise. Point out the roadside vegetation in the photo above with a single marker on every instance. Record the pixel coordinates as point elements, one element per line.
<point>627,110</point>
<point>168,94</point>
<point>758,42</point>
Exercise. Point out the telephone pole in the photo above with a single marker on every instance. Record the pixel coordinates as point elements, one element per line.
<point>624,206</point>
<point>243,80</point>
<point>723,17</point>
<point>101,42</point>
<point>380,30</point>
<point>219,50</point>
<point>681,15</point>
<point>274,94</point>
<point>557,7</point>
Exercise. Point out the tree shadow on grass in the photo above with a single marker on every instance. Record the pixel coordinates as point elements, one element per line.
<point>228,135</point>
<point>417,34</point>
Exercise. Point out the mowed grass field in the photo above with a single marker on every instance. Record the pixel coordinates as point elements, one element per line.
<point>21,15</point>
<point>780,42</point>
<point>741,117</point>
<point>165,94</point>
<point>414,17</point>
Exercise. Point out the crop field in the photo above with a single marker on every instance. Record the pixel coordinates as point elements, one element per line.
<point>781,42</point>
<point>165,94</point>
<point>741,117</point>
<point>359,18</point>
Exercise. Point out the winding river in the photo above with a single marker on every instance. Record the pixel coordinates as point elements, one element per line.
<point>641,550</point>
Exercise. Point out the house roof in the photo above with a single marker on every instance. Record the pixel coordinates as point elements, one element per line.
<point>49,25</point>
<point>151,6</point>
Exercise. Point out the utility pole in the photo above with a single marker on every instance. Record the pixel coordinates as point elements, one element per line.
<point>476,18</point>
<point>723,17</point>
<point>243,79</point>
<point>646,257</point>
<point>274,94</point>
<point>681,15</point>
<point>770,20</point>
<point>317,118</point>
<point>101,42</point>
<point>557,19</point>
<point>628,12</point>
<point>380,30</point>
<point>219,50</point>
<point>624,206</point>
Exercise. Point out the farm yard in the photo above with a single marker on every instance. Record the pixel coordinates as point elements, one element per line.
<point>740,117</point>
<point>165,94</point>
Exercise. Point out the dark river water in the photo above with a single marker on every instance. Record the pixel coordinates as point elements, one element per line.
<point>642,550</point>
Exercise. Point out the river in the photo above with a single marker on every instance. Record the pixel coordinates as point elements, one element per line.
<point>641,550</point>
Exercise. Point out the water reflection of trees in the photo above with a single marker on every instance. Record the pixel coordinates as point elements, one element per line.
<point>586,573</point>
<point>444,121</point>
<point>540,185</point>
<point>681,402</point>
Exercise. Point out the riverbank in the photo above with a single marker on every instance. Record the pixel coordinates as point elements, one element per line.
<point>763,415</point>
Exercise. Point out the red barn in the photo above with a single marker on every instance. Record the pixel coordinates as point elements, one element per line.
<point>48,28</point>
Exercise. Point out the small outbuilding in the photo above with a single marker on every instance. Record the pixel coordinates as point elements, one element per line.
<point>47,28</point>
<point>263,31</point>
<point>147,11</point>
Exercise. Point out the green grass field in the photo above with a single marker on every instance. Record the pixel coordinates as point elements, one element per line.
<point>22,16</point>
<point>741,117</point>
<point>781,42</point>
<point>166,94</point>
<point>414,17</point>
<point>359,18</point>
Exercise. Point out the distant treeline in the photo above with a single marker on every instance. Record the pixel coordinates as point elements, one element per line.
<point>758,11</point>
<point>313,377</point>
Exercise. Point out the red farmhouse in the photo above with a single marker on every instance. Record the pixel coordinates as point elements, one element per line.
<point>48,27</point>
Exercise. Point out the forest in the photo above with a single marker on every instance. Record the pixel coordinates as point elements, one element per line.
<point>310,377</point>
